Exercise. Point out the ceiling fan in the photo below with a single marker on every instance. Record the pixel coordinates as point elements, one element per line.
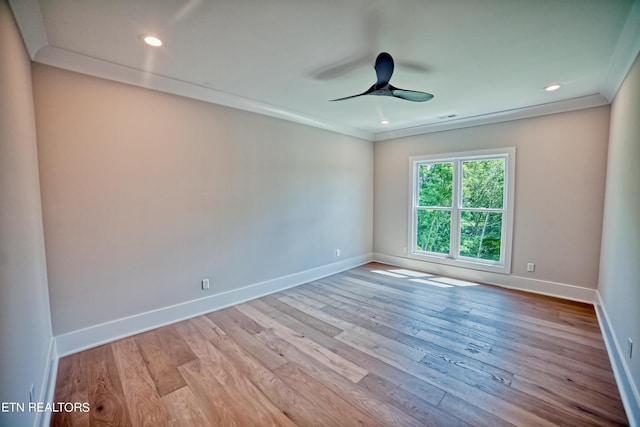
<point>384,70</point>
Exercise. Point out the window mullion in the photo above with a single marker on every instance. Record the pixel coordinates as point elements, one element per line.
<point>454,246</point>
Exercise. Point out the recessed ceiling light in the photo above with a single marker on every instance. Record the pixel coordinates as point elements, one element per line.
<point>384,122</point>
<point>151,40</point>
<point>551,88</point>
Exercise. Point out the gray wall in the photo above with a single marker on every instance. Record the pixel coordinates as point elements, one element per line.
<point>559,193</point>
<point>619,286</point>
<point>25,325</point>
<point>145,193</point>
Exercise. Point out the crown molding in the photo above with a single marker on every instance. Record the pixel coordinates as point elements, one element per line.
<point>61,58</point>
<point>572,104</point>
<point>31,23</point>
<point>625,53</point>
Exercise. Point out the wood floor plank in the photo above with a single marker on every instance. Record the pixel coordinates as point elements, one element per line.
<point>183,410</point>
<point>194,337</point>
<point>75,389</point>
<point>558,384</point>
<point>523,368</point>
<point>472,414</point>
<point>247,341</point>
<point>529,372</point>
<point>591,410</point>
<point>142,398</point>
<point>163,370</point>
<point>357,348</point>
<point>461,324</point>
<point>578,372</point>
<point>431,354</point>
<point>314,390</point>
<point>106,396</point>
<point>590,337</point>
<point>430,298</point>
<point>429,319</point>
<point>410,383</point>
<point>206,327</point>
<point>588,380</point>
<point>408,351</point>
<point>536,374</point>
<point>492,298</point>
<point>539,340</point>
<point>331,360</point>
<point>409,403</point>
<point>509,411</point>
<point>434,346</point>
<point>300,410</point>
<point>417,328</point>
<point>255,407</point>
<point>210,397</point>
<point>243,322</point>
<point>308,301</point>
<point>174,346</point>
<point>73,368</point>
<point>353,393</point>
<point>314,322</point>
<point>215,370</point>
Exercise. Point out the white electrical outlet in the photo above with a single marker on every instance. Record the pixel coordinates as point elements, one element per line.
<point>531,267</point>
<point>404,250</point>
<point>630,348</point>
<point>337,253</point>
<point>205,284</point>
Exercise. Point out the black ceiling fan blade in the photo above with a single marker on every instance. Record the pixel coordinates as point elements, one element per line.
<point>342,67</point>
<point>410,95</point>
<point>384,68</point>
<point>367,92</point>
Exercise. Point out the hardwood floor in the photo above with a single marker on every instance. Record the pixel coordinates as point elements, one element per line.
<point>361,348</point>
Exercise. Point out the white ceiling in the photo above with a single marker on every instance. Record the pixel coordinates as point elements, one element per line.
<point>484,60</point>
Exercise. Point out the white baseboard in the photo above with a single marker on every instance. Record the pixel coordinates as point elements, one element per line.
<point>73,342</point>
<point>628,390</point>
<point>554,289</point>
<point>48,384</point>
<point>82,339</point>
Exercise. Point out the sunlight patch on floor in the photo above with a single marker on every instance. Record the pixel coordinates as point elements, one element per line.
<point>410,272</point>
<point>387,273</point>
<point>455,282</point>
<point>431,283</point>
<point>438,281</point>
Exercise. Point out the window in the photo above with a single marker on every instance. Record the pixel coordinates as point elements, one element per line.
<point>462,209</point>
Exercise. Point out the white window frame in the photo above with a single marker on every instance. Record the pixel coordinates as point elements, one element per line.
<point>504,265</point>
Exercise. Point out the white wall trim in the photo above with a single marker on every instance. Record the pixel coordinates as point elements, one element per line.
<point>31,23</point>
<point>46,393</point>
<point>625,53</point>
<point>590,101</point>
<point>628,390</point>
<point>82,339</point>
<point>554,289</point>
<point>508,154</point>
<point>61,58</point>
